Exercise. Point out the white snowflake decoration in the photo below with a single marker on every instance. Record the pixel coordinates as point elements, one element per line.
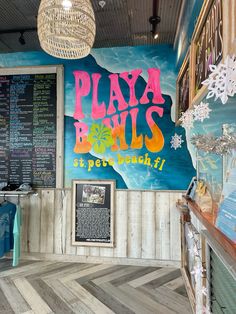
<point>197,271</point>
<point>204,291</point>
<point>206,310</point>
<point>190,234</point>
<point>194,251</point>
<point>201,112</point>
<point>222,81</point>
<point>187,119</point>
<point>176,141</point>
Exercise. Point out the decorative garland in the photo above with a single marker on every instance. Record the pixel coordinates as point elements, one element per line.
<point>222,145</point>
<point>199,271</point>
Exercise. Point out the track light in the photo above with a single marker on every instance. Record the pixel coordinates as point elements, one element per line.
<point>154,20</point>
<point>156,36</point>
<point>22,38</point>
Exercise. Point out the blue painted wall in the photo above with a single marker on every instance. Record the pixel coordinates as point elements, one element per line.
<point>177,170</point>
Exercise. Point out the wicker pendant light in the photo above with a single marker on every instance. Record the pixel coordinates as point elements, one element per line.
<point>66,28</point>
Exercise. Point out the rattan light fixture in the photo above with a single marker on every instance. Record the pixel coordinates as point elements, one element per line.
<point>66,28</point>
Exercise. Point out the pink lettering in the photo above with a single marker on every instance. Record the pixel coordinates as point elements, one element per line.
<point>82,88</point>
<point>98,111</point>
<point>131,82</point>
<point>153,86</point>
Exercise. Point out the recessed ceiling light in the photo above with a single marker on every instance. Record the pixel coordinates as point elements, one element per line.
<point>66,4</point>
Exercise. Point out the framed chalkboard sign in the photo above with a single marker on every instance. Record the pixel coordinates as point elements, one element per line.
<point>31,125</point>
<point>207,45</point>
<point>182,89</point>
<point>93,212</point>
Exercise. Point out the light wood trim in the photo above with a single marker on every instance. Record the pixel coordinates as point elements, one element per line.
<point>229,27</point>
<point>189,289</point>
<point>185,65</point>
<point>207,221</point>
<point>100,259</point>
<point>196,98</point>
<point>60,128</point>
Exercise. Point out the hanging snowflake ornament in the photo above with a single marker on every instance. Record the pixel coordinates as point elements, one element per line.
<point>176,141</point>
<point>206,310</point>
<point>204,291</point>
<point>190,234</point>
<point>193,251</point>
<point>201,112</point>
<point>222,81</point>
<point>187,119</point>
<point>197,271</point>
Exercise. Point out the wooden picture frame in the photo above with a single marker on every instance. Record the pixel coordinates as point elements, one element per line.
<point>182,89</point>
<point>93,212</point>
<point>207,46</point>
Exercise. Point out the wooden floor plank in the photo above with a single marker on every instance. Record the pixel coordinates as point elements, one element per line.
<point>115,274</point>
<point>125,299</point>
<point>50,298</point>
<point>141,299</point>
<point>32,297</point>
<point>150,277</point>
<point>4,304</point>
<point>13,296</point>
<point>157,282</point>
<point>103,273</point>
<point>24,270</point>
<point>107,299</point>
<point>6,264</point>
<point>82,288</point>
<point>140,272</point>
<point>89,300</point>
<point>85,272</point>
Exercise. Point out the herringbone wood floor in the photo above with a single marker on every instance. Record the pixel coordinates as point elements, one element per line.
<point>64,288</point>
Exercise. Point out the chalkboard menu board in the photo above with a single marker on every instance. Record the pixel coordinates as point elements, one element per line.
<point>28,126</point>
<point>93,206</point>
<point>209,43</point>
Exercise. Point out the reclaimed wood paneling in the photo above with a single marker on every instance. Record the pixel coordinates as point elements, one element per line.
<point>163,226</point>
<point>47,221</point>
<point>121,223</point>
<point>134,224</point>
<point>147,226</point>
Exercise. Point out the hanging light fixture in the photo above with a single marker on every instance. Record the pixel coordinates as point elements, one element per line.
<point>155,19</point>
<point>66,28</point>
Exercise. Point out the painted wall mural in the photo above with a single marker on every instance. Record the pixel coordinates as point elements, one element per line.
<point>119,105</point>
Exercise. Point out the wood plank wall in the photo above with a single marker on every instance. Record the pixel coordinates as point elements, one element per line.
<point>147,226</point>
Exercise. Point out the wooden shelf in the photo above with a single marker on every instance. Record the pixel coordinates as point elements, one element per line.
<point>208,221</point>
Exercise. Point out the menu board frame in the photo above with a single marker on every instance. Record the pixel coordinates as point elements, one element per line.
<point>182,73</point>
<point>90,195</point>
<point>203,19</point>
<point>59,71</point>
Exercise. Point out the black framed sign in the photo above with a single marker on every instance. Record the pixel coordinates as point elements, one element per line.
<point>93,212</point>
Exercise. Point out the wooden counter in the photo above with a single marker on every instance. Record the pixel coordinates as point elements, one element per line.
<point>208,221</point>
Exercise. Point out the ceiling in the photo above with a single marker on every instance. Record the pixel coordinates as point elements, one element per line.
<point>118,23</point>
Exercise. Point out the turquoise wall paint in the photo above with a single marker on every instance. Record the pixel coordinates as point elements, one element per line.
<point>177,170</point>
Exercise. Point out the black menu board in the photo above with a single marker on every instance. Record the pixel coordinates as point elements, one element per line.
<point>28,129</point>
